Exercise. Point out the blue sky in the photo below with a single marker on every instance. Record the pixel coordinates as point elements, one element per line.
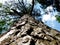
<point>49,19</point>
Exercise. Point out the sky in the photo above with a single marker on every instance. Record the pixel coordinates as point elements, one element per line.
<point>48,19</point>
<point>2,1</point>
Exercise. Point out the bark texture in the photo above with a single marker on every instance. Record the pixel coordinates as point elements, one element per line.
<point>28,31</point>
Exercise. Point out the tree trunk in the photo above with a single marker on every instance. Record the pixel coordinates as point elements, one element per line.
<point>28,31</point>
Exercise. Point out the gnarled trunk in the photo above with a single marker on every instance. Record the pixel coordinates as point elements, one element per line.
<point>28,31</point>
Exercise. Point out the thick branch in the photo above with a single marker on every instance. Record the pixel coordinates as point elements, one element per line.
<point>32,7</point>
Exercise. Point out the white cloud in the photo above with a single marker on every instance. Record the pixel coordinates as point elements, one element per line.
<point>28,1</point>
<point>3,1</point>
<point>50,16</point>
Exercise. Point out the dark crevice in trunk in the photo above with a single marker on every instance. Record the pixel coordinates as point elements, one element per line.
<point>32,42</point>
<point>29,31</point>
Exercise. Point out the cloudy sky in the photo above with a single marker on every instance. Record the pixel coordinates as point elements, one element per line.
<point>2,1</point>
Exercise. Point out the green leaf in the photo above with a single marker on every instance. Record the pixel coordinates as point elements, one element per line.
<point>58,18</point>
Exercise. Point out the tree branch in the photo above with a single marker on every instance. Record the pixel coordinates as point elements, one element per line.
<point>32,7</point>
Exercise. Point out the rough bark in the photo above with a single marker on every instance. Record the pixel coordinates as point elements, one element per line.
<point>28,31</point>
